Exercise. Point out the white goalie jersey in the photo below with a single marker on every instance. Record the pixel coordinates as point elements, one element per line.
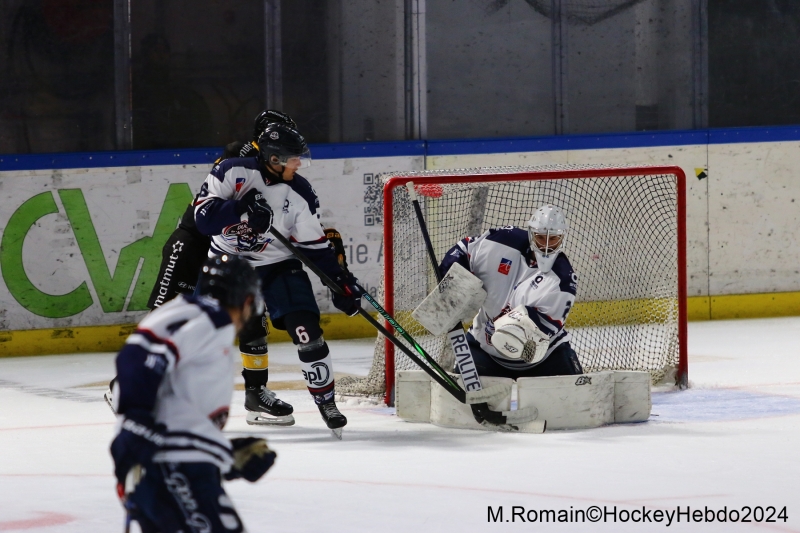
<point>502,260</point>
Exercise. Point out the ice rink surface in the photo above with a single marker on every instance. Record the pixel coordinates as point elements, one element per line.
<point>731,441</point>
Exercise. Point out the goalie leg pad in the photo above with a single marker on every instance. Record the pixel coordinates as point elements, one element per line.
<point>448,412</point>
<point>632,401</point>
<point>413,395</point>
<point>570,402</point>
<point>494,394</point>
<point>457,298</point>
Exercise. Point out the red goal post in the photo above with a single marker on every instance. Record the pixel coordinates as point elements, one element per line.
<point>627,245</point>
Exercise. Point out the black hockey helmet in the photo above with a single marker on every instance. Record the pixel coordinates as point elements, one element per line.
<point>270,116</point>
<point>230,279</point>
<point>285,143</point>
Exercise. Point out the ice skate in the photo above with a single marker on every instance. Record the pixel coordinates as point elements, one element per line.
<point>265,409</point>
<point>333,418</point>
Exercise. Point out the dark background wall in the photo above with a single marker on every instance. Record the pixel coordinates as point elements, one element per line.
<point>87,75</point>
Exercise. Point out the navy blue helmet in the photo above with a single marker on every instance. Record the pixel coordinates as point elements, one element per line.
<point>270,116</point>
<point>230,279</point>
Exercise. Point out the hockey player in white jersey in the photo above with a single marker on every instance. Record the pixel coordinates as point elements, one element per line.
<point>239,202</point>
<point>530,285</point>
<point>174,385</point>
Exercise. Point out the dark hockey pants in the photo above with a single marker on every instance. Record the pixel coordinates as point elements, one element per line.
<point>183,497</point>
<point>562,362</point>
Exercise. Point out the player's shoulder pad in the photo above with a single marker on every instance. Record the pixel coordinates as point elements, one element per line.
<point>218,316</point>
<point>510,236</point>
<point>567,279</point>
<point>220,169</point>
<point>303,187</point>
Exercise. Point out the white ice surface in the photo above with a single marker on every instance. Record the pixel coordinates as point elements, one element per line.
<point>731,440</point>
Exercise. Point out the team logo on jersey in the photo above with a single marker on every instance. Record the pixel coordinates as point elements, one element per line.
<point>244,238</point>
<point>584,380</point>
<point>239,183</point>
<point>505,266</point>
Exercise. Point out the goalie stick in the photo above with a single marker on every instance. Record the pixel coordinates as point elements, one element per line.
<point>436,372</point>
<point>457,337</point>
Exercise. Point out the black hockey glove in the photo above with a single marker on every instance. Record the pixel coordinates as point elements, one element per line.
<point>259,215</point>
<point>350,302</point>
<point>251,459</point>
<point>335,238</point>
<point>136,443</point>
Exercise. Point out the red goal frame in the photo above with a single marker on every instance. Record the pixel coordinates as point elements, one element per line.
<point>606,172</point>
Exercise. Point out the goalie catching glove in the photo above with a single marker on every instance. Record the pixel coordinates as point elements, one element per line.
<point>251,459</point>
<point>517,337</point>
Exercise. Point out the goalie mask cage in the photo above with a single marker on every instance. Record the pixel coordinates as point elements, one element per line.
<point>626,242</point>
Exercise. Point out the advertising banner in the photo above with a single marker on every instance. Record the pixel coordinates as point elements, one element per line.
<point>82,247</point>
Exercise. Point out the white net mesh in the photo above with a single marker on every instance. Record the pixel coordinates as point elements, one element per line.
<point>622,243</point>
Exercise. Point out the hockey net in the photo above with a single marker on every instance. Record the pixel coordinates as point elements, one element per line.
<point>626,243</point>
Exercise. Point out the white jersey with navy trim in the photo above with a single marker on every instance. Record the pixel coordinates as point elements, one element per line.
<point>294,205</point>
<point>502,259</point>
<point>193,337</point>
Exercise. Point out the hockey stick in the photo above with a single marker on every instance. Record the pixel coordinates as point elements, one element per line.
<point>466,364</point>
<point>458,342</point>
<point>434,370</point>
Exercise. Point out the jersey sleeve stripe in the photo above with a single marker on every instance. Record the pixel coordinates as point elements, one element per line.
<point>542,323</point>
<point>321,240</point>
<point>191,440</point>
<point>152,342</point>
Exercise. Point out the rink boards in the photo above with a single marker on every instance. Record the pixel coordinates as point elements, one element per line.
<point>82,233</point>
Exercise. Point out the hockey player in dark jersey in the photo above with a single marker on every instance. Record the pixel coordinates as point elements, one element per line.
<point>173,395</point>
<point>238,204</point>
<point>530,288</point>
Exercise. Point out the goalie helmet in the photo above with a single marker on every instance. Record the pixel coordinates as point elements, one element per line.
<point>283,145</point>
<point>547,231</point>
<point>270,116</point>
<point>230,279</point>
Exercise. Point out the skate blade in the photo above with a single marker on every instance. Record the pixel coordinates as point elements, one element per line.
<point>337,433</point>
<point>107,398</point>
<point>260,419</point>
